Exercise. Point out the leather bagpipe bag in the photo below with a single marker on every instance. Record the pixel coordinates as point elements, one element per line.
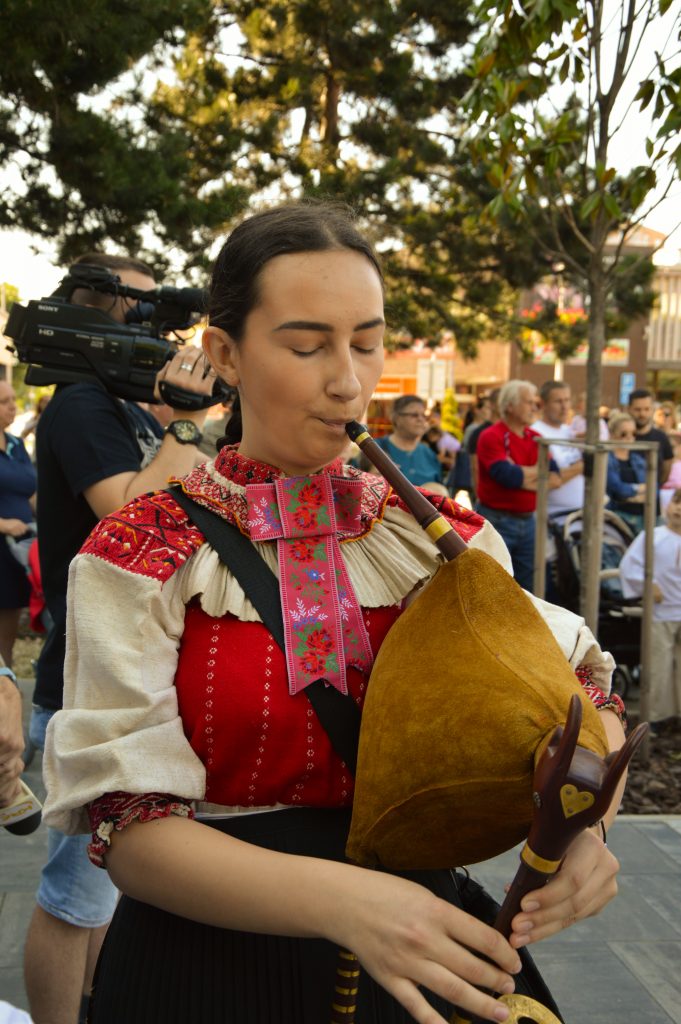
<point>464,697</point>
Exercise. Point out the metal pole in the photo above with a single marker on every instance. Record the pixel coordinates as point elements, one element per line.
<point>649,516</point>
<point>541,519</point>
<point>591,570</point>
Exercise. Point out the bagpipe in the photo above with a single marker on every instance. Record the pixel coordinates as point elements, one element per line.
<point>476,735</point>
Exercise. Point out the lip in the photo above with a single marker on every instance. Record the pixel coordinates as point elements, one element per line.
<point>338,425</point>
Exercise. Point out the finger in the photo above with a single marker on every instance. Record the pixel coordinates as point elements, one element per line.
<point>470,933</point>
<point>187,359</point>
<point>420,1010</point>
<point>578,902</point>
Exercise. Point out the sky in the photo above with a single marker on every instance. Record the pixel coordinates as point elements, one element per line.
<point>28,262</point>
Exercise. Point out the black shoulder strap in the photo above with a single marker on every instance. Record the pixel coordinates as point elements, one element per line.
<point>339,715</point>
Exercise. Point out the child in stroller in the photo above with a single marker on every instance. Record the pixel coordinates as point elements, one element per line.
<point>665,668</point>
<point>619,616</point>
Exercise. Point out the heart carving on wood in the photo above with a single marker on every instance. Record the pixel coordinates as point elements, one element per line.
<point>574,800</point>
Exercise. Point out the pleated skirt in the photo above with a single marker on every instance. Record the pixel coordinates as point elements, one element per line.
<point>157,967</point>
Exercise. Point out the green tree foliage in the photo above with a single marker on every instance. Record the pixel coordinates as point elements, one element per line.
<point>179,114</point>
<point>87,171</point>
<point>155,126</point>
<point>547,99</point>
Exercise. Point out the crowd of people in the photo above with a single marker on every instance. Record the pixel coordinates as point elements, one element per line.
<point>494,469</point>
<point>195,791</point>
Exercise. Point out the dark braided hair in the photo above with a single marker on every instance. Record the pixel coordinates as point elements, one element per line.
<point>304,226</point>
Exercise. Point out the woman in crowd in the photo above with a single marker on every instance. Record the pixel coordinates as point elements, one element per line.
<point>17,490</point>
<point>178,701</point>
<point>625,484</point>
<point>419,463</point>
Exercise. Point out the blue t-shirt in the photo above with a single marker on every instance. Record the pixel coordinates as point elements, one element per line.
<point>420,466</point>
<point>17,481</point>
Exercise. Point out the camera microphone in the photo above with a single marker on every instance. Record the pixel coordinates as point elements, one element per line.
<point>24,815</point>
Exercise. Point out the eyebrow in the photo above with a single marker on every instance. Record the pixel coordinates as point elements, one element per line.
<point>314,325</point>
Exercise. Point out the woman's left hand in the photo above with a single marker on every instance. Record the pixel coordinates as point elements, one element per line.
<point>585,883</point>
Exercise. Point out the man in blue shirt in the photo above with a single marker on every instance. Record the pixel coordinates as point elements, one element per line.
<point>418,462</point>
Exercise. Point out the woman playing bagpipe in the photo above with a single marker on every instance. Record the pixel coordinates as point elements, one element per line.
<point>189,744</point>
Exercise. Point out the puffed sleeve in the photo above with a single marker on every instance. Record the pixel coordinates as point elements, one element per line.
<point>120,728</point>
<point>577,642</point>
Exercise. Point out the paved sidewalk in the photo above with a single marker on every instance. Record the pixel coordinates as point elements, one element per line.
<point>623,967</point>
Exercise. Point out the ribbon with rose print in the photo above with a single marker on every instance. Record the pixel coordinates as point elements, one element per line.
<point>323,627</point>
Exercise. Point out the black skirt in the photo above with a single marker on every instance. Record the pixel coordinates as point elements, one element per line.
<point>155,966</point>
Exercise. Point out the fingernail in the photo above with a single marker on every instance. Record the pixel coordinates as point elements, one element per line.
<point>524,926</point>
<point>501,1013</point>
<point>530,906</point>
<point>507,988</point>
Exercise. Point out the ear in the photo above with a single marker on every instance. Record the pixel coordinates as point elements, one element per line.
<point>222,352</point>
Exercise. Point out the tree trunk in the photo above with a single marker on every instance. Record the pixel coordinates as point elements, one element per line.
<point>592,526</point>
<point>331,134</point>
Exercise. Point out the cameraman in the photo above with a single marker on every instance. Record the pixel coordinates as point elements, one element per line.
<point>94,453</point>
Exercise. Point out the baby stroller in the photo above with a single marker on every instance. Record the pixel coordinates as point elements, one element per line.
<point>619,618</point>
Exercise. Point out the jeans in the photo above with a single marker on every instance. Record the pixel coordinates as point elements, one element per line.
<point>518,535</point>
<point>71,887</point>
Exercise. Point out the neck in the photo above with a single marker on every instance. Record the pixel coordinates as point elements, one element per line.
<point>515,425</point>
<point>407,444</point>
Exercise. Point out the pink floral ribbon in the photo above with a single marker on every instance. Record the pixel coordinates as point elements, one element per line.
<point>323,626</point>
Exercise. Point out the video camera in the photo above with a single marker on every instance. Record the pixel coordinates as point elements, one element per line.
<point>68,343</point>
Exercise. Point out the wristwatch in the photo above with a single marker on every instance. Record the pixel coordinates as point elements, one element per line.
<point>185,432</point>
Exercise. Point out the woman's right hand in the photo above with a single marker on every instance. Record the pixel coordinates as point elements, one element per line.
<point>407,938</point>
<point>13,527</point>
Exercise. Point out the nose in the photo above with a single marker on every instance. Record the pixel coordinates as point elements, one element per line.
<point>343,382</point>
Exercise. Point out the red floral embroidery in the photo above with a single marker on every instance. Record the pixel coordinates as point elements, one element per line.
<point>303,518</point>
<point>463,520</point>
<point>115,811</point>
<point>301,550</point>
<point>319,642</point>
<point>312,664</point>
<point>311,495</point>
<point>151,537</point>
<point>598,698</point>
<point>212,485</point>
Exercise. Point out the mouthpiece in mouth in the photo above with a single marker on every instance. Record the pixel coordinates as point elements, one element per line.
<point>353,429</point>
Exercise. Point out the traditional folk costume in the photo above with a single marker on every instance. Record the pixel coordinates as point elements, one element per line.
<point>178,700</point>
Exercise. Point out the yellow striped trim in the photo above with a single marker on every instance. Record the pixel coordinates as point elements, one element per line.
<point>344,955</point>
<point>547,867</point>
<point>364,436</point>
<point>438,528</point>
<point>343,1009</point>
<point>346,991</point>
<point>348,974</point>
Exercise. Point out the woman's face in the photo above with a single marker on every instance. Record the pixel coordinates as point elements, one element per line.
<point>625,431</point>
<point>309,360</point>
<point>8,406</point>
<point>410,423</point>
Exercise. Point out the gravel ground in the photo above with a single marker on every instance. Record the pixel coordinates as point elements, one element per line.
<point>655,787</point>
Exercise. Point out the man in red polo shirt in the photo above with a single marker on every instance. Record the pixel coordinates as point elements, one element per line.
<point>507,475</point>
